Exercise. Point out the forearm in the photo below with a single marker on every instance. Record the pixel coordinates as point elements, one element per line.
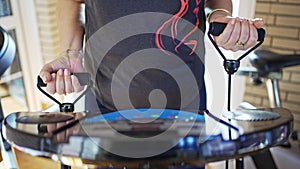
<point>70,28</point>
<point>219,4</point>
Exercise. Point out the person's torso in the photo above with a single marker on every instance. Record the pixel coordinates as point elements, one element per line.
<point>145,53</point>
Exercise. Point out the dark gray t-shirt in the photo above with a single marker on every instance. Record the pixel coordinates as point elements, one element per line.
<point>146,53</point>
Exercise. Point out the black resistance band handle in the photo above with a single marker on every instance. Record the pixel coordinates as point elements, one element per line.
<point>83,78</point>
<point>216,28</point>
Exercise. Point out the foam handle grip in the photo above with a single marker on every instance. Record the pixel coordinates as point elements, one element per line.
<point>216,28</point>
<point>40,82</point>
<point>83,78</point>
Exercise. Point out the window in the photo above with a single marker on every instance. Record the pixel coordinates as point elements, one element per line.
<point>5,8</point>
<point>17,85</point>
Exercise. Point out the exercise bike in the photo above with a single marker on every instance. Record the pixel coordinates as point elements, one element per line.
<point>267,66</point>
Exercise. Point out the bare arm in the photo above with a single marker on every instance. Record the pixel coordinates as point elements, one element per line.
<point>219,4</point>
<point>57,74</point>
<point>70,28</point>
<point>240,33</point>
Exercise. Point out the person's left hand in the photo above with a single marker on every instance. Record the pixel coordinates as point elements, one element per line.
<point>239,34</point>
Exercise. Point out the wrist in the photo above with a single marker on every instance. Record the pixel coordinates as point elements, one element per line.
<point>217,13</point>
<point>72,53</point>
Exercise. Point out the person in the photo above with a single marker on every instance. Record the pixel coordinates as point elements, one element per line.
<point>158,86</point>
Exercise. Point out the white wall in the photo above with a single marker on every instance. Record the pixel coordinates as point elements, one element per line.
<point>214,61</point>
<point>217,89</point>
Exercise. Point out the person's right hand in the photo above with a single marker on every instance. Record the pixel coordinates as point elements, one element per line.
<point>57,74</point>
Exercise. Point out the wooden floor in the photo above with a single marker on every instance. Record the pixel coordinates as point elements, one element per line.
<point>26,161</point>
